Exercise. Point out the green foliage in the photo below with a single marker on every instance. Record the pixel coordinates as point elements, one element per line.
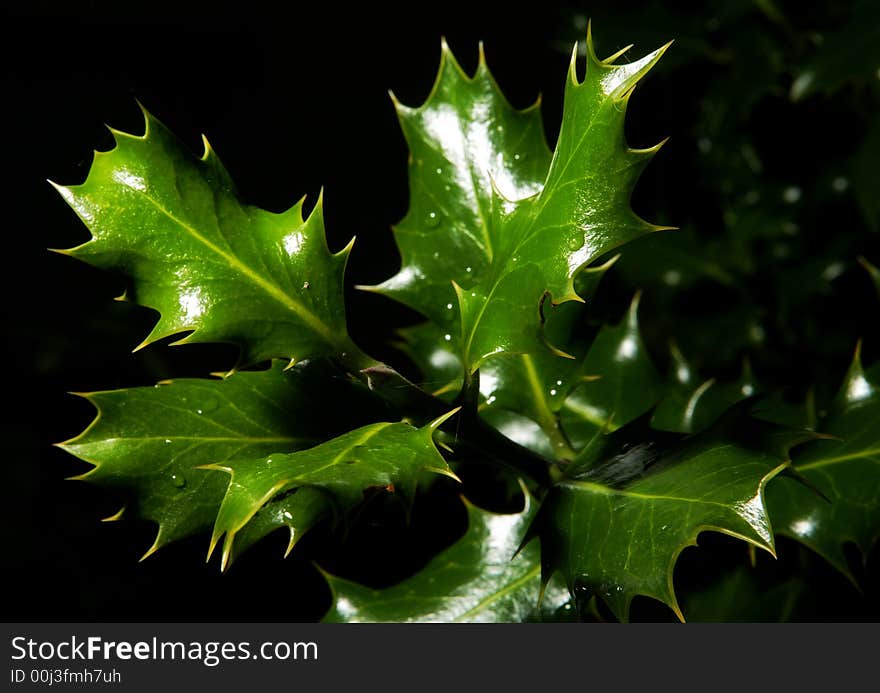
<point>500,221</point>
<point>533,373</point>
<point>845,469</point>
<point>618,519</point>
<point>172,223</point>
<point>476,580</point>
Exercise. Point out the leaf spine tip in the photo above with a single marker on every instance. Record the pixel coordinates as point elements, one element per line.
<point>153,549</point>
<point>634,307</point>
<point>206,147</point>
<point>444,472</point>
<point>436,423</point>
<point>444,446</point>
<point>572,66</point>
<point>226,558</point>
<point>115,517</point>
<point>611,58</point>
<point>347,249</point>
<point>649,150</point>
<point>591,49</point>
<point>80,477</point>
<point>215,537</point>
<point>556,351</point>
<point>147,119</point>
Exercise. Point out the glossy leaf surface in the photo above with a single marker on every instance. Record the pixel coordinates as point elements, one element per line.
<point>477,580</point>
<point>465,139</point>
<point>691,404</point>
<point>846,470</point>
<point>173,225</point>
<point>626,383</point>
<point>616,523</point>
<point>381,455</point>
<point>518,239</point>
<point>147,441</point>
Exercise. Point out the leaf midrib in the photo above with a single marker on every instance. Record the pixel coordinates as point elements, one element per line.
<point>313,321</point>
<point>829,461</point>
<point>495,596</point>
<point>535,215</point>
<point>606,491</point>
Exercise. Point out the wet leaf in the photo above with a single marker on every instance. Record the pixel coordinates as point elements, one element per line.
<point>146,442</point>
<point>845,469</point>
<point>616,523</point>
<point>476,580</point>
<point>382,455</point>
<point>173,225</point>
<point>505,225</point>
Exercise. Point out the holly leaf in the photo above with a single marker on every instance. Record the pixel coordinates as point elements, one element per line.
<point>436,357</point>
<point>616,523</point>
<point>514,231</point>
<point>626,387</point>
<point>844,469</point>
<point>146,442</point>
<point>691,404</point>
<point>478,579</point>
<point>465,139</point>
<point>174,226</point>
<point>536,385</point>
<point>383,455</point>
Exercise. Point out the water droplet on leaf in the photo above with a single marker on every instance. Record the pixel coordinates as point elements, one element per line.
<point>432,220</point>
<point>178,480</point>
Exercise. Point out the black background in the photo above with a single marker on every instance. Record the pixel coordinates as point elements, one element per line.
<point>293,97</point>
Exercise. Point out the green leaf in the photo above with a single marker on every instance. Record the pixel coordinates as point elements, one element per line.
<point>846,471</point>
<point>512,232</point>
<point>480,578</point>
<point>174,226</point>
<point>383,455</point>
<point>692,404</point>
<point>147,441</point>
<point>465,139</point>
<point>627,385</point>
<point>435,356</point>
<point>536,385</point>
<point>527,385</point>
<point>616,523</point>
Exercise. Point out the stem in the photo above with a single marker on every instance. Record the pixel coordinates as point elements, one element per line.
<point>470,431</point>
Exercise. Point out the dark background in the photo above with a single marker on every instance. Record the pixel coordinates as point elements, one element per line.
<point>294,99</point>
